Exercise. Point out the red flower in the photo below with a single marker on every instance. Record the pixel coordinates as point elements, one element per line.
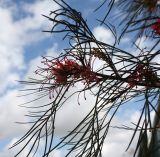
<point>136,76</point>
<point>66,70</point>
<point>156,27</point>
<point>69,69</point>
<point>60,76</point>
<point>88,75</point>
<point>62,70</point>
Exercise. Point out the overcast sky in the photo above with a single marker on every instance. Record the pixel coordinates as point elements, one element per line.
<point>22,42</point>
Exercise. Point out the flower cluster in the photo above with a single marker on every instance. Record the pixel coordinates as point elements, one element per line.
<point>63,70</point>
<point>88,75</point>
<point>156,27</point>
<point>68,70</point>
<point>136,76</point>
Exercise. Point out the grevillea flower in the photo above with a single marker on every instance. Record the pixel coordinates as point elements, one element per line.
<point>88,75</point>
<point>136,76</point>
<point>156,27</point>
<point>60,72</point>
<point>63,70</point>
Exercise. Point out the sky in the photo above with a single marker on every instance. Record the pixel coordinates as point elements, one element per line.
<point>22,43</point>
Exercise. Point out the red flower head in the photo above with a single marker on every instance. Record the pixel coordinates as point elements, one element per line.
<point>88,75</point>
<point>136,76</point>
<point>156,27</point>
<point>60,72</point>
<point>69,69</point>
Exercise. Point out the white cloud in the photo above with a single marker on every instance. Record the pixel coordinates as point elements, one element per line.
<point>146,44</point>
<point>35,22</point>
<point>10,113</point>
<point>118,139</point>
<point>67,118</point>
<point>16,35</point>
<point>103,34</point>
<point>11,51</point>
<point>6,152</point>
<point>10,152</point>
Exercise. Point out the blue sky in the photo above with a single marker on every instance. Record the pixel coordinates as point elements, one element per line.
<point>22,42</point>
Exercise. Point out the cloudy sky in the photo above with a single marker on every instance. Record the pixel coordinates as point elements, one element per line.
<point>22,42</point>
